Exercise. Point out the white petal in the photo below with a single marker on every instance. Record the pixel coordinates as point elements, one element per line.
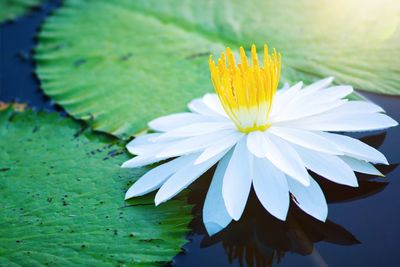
<point>318,85</point>
<point>363,107</point>
<point>256,144</point>
<point>223,144</point>
<point>299,109</point>
<point>154,178</point>
<point>193,144</point>
<point>271,188</point>
<point>335,92</point>
<point>142,160</point>
<point>328,166</point>
<point>140,141</point>
<point>357,107</point>
<point>212,101</point>
<point>305,104</point>
<point>343,122</point>
<point>194,129</point>
<point>285,158</point>
<point>198,106</point>
<point>284,97</point>
<point>183,178</point>
<point>215,215</point>
<point>290,93</point>
<point>170,122</point>
<point>146,146</point>
<point>361,166</point>
<point>237,180</point>
<point>306,139</point>
<point>285,86</point>
<point>355,148</point>
<point>209,105</point>
<point>310,199</point>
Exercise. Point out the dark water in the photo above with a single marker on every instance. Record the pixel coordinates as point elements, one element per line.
<point>363,223</point>
<point>17,39</point>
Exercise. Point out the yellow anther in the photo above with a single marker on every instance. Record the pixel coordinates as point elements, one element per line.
<point>246,92</point>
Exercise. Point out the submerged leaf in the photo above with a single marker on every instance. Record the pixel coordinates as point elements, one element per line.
<point>62,199</point>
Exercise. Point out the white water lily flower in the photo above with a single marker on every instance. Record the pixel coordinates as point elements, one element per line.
<point>259,137</point>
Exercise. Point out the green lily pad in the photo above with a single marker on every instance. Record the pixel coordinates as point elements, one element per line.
<point>62,199</point>
<point>10,9</point>
<point>119,64</point>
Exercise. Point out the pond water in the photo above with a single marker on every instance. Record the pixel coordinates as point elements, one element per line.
<point>363,223</point>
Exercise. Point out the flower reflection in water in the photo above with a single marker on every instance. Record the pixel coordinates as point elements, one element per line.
<point>259,239</point>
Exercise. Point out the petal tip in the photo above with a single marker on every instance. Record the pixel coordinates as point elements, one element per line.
<point>124,165</point>
<point>212,228</point>
<point>235,217</point>
<point>199,160</point>
<point>354,184</point>
<point>132,192</point>
<point>207,95</point>
<point>323,217</point>
<point>281,217</point>
<point>380,160</point>
<point>305,182</point>
<point>127,196</point>
<point>151,125</point>
<point>231,212</point>
<point>157,202</point>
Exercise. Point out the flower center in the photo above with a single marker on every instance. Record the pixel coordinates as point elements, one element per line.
<point>246,92</point>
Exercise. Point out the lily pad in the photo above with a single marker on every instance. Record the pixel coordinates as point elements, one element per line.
<point>62,199</point>
<point>119,64</point>
<point>10,9</point>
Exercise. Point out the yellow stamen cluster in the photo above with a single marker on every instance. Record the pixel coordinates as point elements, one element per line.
<point>246,92</point>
